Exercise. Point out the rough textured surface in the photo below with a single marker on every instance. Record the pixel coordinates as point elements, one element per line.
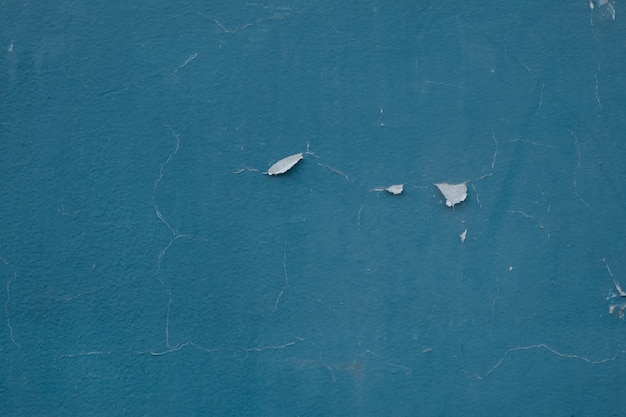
<point>149,268</point>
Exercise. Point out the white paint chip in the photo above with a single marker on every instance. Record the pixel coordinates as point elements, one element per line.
<point>284,164</point>
<point>395,189</point>
<point>392,189</point>
<point>454,193</point>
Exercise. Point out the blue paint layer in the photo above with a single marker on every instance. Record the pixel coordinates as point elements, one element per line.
<point>150,268</point>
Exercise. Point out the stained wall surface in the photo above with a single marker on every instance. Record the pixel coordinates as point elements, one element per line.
<point>148,266</point>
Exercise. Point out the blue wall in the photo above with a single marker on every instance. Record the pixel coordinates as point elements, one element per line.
<point>149,267</point>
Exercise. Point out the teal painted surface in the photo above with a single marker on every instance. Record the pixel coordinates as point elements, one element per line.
<point>150,268</point>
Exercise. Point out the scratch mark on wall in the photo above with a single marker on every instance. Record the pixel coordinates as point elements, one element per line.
<point>256,22</point>
<point>549,349</point>
<point>280,294</point>
<point>578,163</point>
<point>231,350</point>
<point>187,61</point>
<point>10,280</point>
<point>173,229</point>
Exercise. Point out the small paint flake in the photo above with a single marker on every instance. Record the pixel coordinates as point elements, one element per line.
<point>454,193</point>
<point>284,164</point>
<point>395,189</point>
